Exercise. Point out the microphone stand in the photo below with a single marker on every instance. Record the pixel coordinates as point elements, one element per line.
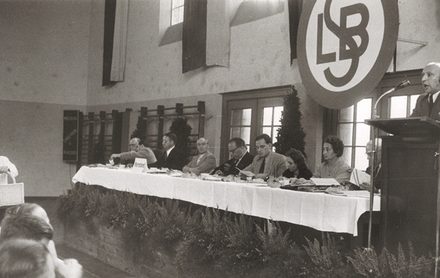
<point>373,157</point>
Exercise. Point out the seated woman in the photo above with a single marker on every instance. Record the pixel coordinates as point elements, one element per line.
<point>333,165</point>
<point>296,165</point>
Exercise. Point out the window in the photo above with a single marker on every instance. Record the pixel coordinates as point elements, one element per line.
<point>240,125</point>
<point>177,7</point>
<point>251,113</point>
<point>402,106</point>
<point>355,133</point>
<point>272,121</point>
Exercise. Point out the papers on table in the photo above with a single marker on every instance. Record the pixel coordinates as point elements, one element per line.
<point>359,177</point>
<point>246,173</point>
<point>324,181</point>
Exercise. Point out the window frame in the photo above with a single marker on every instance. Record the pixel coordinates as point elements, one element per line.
<point>390,80</point>
<point>354,122</point>
<point>173,9</point>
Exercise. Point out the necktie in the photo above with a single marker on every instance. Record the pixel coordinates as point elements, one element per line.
<point>262,166</point>
<point>200,158</point>
<point>431,104</point>
<point>165,156</point>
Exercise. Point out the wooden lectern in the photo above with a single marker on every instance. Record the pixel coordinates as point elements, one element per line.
<point>409,180</point>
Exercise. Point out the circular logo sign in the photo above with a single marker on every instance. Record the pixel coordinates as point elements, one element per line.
<point>345,48</point>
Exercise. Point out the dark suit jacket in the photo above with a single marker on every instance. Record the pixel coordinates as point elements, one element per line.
<point>422,108</point>
<point>230,166</point>
<point>175,160</point>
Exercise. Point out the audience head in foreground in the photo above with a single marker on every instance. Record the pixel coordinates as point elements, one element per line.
<point>24,258</point>
<point>30,221</point>
<point>26,226</point>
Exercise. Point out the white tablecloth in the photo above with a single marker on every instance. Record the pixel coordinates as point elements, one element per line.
<point>320,211</point>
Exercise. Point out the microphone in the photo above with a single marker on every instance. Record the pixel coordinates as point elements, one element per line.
<point>401,85</point>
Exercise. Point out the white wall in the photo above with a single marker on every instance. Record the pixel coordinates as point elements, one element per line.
<point>51,59</point>
<point>44,55</point>
<point>419,21</point>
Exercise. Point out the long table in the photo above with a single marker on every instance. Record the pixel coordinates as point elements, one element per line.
<point>320,211</point>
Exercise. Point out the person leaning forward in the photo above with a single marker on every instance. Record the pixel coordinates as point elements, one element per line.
<point>240,158</point>
<point>266,163</point>
<point>428,104</point>
<point>137,150</point>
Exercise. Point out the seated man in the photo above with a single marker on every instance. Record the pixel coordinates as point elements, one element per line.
<point>266,163</point>
<point>377,166</point>
<point>6,167</point>
<point>26,258</point>
<point>240,158</point>
<point>204,162</point>
<point>172,158</point>
<point>136,150</point>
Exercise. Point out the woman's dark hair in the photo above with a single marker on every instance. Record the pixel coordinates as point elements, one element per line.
<point>336,143</point>
<point>297,157</point>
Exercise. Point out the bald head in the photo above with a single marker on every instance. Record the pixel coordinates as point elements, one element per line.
<point>133,145</point>
<point>431,78</point>
<point>202,145</point>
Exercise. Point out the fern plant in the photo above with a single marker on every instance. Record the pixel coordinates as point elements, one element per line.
<point>367,263</point>
<point>325,259</point>
<point>280,256</point>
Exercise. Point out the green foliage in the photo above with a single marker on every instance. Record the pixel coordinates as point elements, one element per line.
<point>243,253</point>
<point>137,132</point>
<point>182,129</point>
<point>368,263</point>
<point>203,244</point>
<point>290,134</point>
<point>325,259</point>
<point>214,243</point>
<point>280,256</point>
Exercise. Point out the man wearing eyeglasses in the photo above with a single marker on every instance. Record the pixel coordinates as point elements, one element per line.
<point>240,158</point>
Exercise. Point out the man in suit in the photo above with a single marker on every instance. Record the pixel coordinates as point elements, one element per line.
<point>240,158</point>
<point>428,104</point>
<point>136,150</point>
<point>204,162</point>
<point>266,163</point>
<point>172,157</point>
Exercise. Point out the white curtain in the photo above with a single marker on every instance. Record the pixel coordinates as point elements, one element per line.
<point>119,41</point>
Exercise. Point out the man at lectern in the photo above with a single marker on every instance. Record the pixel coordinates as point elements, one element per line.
<point>6,167</point>
<point>428,104</point>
